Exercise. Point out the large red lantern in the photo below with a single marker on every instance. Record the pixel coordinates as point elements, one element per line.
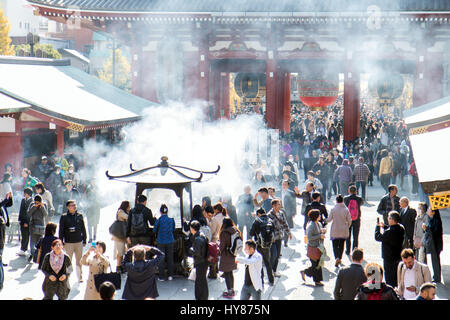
<point>318,86</point>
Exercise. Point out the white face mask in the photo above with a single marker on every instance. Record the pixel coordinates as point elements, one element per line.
<point>71,171</point>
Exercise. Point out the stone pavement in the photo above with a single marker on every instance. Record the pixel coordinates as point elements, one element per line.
<point>25,280</point>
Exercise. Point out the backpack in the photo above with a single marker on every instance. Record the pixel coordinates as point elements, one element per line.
<point>236,244</point>
<point>353,208</point>
<point>212,253</point>
<point>266,230</point>
<point>375,295</point>
<point>137,224</point>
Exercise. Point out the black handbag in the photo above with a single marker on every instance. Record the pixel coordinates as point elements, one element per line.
<point>118,229</point>
<point>113,277</point>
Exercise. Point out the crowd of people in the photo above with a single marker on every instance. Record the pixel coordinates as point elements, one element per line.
<point>315,165</point>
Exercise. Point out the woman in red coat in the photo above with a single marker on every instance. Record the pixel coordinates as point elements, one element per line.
<point>227,259</point>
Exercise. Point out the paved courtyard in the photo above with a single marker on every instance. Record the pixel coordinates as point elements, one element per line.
<point>25,280</point>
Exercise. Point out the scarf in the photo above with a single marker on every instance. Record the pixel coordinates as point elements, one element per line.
<point>56,261</point>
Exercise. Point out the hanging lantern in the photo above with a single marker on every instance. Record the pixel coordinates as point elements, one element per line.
<point>386,87</point>
<point>318,86</point>
<point>250,85</point>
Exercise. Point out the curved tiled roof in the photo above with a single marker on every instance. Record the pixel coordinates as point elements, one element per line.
<point>245,5</point>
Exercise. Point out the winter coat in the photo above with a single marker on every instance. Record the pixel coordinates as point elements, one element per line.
<point>319,206</point>
<point>24,206</point>
<point>256,227</point>
<point>48,271</point>
<point>69,221</point>
<point>164,228</point>
<point>385,206</point>
<point>97,265</point>
<point>227,260</point>
<point>387,292</point>
<point>391,242</point>
<point>37,218</point>
<point>290,203</point>
<point>358,199</point>
<point>418,231</point>
<point>45,244</point>
<point>215,225</point>
<point>141,280</point>
<point>343,173</point>
<point>421,272</point>
<point>47,198</point>
<point>148,218</point>
<point>280,224</point>
<point>341,222</point>
<point>55,182</point>
<point>199,249</point>
<point>433,235</point>
<point>313,234</point>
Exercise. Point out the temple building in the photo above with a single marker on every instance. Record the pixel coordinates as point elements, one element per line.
<point>186,50</point>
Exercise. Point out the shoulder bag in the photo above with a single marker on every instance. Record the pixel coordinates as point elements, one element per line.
<point>313,253</point>
<point>113,277</point>
<point>118,229</point>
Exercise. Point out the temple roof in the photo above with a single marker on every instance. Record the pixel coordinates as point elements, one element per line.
<point>56,89</point>
<point>10,105</point>
<point>205,6</point>
<point>430,113</point>
<point>163,173</point>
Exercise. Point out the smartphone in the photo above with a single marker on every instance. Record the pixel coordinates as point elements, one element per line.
<point>94,244</point>
<point>378,219</point>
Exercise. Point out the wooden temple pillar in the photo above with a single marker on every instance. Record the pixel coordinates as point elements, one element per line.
<point>351,101</point>
<point>225,95</point>
<point>283,100</point>
<point>60,141</point>
<point>92,135</point>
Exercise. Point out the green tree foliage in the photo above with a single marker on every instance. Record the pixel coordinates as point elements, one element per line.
<point>6,48</point>
<point>48,51</point>
<point>122,68</point>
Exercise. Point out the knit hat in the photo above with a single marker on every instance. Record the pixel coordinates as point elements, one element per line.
<point>163,209</point>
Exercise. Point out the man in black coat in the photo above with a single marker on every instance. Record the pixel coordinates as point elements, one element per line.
<point>391,246</point>
<point>349,279</point>
<point>140,233</point>
<point>199,252</point>
<point>390,202</point>
<point>316,204</point>
<point>408,220</point>
<point>72,232</point>
<point>24,220</point>
<point>141,279</point>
